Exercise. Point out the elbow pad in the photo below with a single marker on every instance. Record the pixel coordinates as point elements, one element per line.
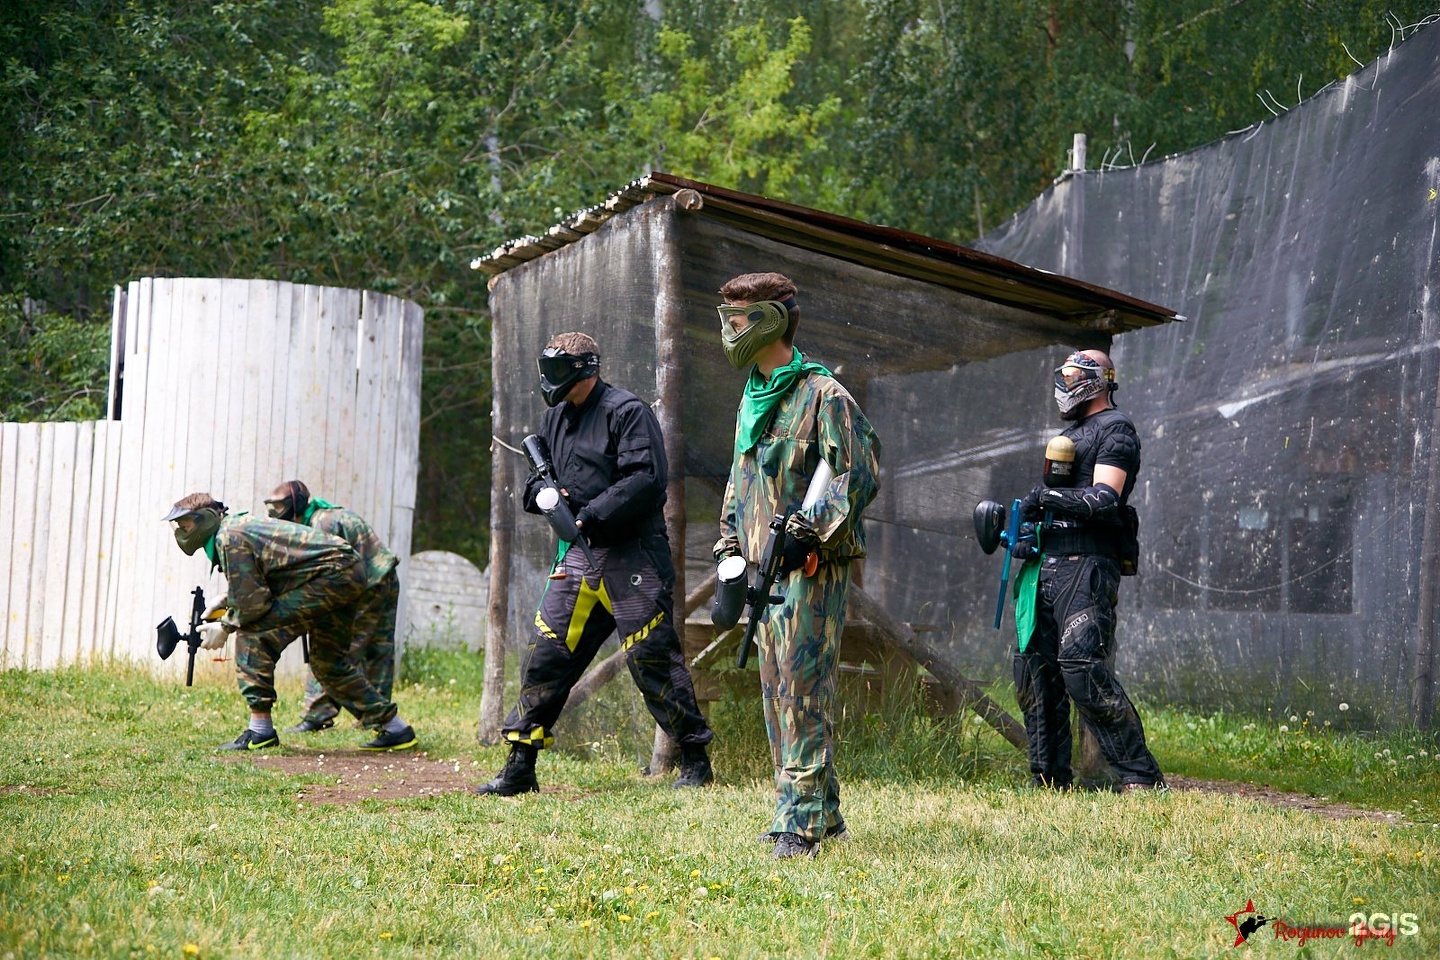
<point>1083,503</point>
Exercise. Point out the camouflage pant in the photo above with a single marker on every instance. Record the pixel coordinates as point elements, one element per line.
<point>634,595</point>
<point>372,647</point>
<point>799,646</point>
<point>326,608</point>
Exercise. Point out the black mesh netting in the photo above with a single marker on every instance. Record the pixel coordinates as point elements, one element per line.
<point>1289,424</point>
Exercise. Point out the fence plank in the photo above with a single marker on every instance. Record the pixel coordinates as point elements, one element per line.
<point>342,319</point>
<point>95,547</point>
<point>9,494</point>
<point>39,547</point>
<point>22,555</point>
<point>61,509</point>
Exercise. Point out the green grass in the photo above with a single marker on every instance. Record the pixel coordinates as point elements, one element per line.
<point>122,835</point>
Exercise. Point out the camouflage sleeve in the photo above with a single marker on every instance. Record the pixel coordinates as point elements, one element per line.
<point>729,543</point>
<point>848,443</point>
<point>247,597</point>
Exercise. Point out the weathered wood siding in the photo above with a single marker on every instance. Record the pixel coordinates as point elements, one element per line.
<point>226,386</point>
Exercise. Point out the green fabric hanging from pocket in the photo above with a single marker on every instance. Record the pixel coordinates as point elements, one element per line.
<point>1027,591</point>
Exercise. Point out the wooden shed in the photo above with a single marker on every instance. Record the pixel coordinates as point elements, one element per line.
<point>891,313</point>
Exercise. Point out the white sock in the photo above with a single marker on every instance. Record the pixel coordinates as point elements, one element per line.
<point>261,725</point>
<point>395,724</point>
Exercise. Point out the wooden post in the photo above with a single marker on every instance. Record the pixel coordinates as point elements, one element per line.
<point>669,370</point>
<point>502,527</point>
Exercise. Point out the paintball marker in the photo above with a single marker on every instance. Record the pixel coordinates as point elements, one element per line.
<point>993,529</point>
<point>548,499</point>
<point>759,596</point>
<point>168,636</point>
<point>733,592</point>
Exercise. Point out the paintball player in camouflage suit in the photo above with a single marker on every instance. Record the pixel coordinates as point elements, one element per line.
<point>608,456</point>
<point>792,415</point>
<point>282,580</point>
<point>372,646</point>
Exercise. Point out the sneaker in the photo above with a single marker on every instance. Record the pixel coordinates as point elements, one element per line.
<point>402,740</point>
<point>250,740</point>
<point>789,845</point>
<point>310,726</point>
<point>836,832</point>
<point>695,768</point>
<point>516,777</point>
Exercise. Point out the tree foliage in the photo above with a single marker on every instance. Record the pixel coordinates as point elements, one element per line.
<point>384,143</point>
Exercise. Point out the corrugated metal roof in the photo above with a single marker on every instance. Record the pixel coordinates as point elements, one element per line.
<point>883,248</point>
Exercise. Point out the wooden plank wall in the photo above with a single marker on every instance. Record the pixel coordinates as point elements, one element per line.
<point>229,386</point>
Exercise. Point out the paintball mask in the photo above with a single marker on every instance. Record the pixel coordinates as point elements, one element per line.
<point>559,371</point>
<point>288,501</point>
<point>765,322</point>
<point>1080,379</point>
<point>194,527</point>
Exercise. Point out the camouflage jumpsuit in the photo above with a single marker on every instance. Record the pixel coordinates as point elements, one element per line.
<point>372,645</point>
<point>799,640</point>
<point>283,580</point>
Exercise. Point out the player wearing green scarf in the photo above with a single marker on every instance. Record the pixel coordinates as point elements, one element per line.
<point>794,414</point>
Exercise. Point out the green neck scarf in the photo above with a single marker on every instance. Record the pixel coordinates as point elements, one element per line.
<point>763,396</point>
<point>315,504</point>
<point>210,550</point>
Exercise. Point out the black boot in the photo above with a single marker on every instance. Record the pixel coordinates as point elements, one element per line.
<point>517,776</point>
<point>694,767</point>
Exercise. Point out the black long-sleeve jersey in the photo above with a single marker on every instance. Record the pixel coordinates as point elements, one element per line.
<point>609,456</point>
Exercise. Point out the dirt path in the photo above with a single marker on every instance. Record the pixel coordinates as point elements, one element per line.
<point>352,776</point>
<point>1292,801</point>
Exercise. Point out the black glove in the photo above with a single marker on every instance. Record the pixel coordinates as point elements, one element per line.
<point>1025,546</point>
<point>1030,509</point>
<point>797,549</point>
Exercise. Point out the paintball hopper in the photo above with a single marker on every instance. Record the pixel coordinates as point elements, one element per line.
<point>731,586</point>
<point>167,638</point>
<point>1059,463</point>
<point>548,498</point>
<point>989,524</point>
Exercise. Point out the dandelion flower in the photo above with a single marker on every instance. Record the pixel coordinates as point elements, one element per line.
<point>191,950</point>
<point>1344,707</point>
<point>624,918</point>
<point>1284,728</point>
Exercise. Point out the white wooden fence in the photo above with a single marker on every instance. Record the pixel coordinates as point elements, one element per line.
<point>225,386</point>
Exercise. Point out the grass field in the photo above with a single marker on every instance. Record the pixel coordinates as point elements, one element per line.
<point>122,834</point>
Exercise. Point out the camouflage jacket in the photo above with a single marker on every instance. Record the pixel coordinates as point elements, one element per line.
<point>263,558</point>
<point>818,418</point>
<point>352,528</point>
